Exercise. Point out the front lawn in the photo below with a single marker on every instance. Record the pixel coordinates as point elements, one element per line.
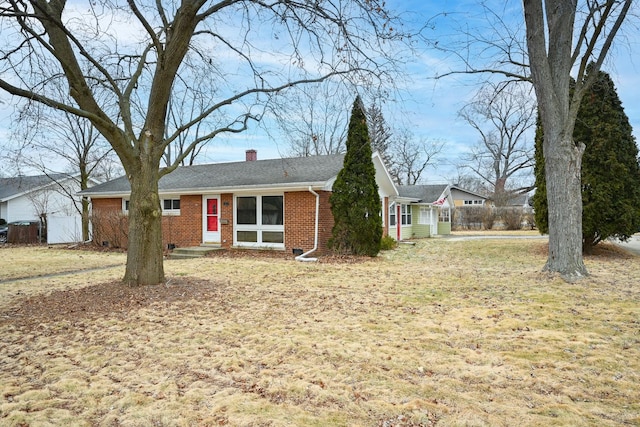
<point>442,333</point>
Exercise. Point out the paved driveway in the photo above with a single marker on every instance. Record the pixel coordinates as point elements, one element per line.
<point>632,245</point>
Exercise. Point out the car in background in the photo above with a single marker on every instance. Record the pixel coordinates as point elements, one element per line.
<point>4,229</point>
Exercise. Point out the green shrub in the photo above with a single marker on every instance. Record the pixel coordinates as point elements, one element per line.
<point>387,243</point>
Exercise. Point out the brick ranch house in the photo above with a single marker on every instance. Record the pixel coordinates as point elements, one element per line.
<point>278,204</point>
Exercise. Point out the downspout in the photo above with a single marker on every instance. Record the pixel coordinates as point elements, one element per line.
<point>315,244</point>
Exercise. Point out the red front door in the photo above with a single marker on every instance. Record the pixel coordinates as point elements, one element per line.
<point>211,220</point>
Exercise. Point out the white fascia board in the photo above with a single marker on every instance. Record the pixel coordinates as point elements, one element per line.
<point>219,190</point>
<point>404,200</point>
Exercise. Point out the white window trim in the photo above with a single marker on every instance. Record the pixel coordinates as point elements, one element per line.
<point>392,213</point>
<point>406,211</point>
<point>257,227</point>
<point>424,216</point>
<point>170,212</point>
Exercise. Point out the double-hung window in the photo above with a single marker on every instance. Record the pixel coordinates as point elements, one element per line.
<point>424,218</point>
<point>406,214</point>
<point>259,221</point>
<point>392,215</point>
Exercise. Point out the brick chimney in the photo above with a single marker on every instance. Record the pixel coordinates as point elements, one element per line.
<point>252,155</point>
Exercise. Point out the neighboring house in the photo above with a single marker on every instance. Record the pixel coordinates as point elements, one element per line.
<point>521,201</point>
<point>462,197</point>
<point>420,211</point>
<point>43,198</point>
<point>280,204</point>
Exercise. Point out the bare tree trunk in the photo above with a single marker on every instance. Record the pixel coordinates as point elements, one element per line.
<point>145,252</point>
<point>85,219</point>
<point>563,162</point>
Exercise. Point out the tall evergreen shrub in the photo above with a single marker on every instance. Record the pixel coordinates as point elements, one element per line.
<point>355,201</point>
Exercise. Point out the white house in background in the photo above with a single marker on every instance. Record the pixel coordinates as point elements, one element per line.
<point>28,198</point>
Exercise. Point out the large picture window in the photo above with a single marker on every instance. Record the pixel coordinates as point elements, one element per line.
<point>259,221</point>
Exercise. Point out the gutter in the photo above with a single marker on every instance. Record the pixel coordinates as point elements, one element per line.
<point>303,257</point>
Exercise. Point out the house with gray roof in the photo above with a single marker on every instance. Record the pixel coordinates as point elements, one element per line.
<point>49,199</point>
<point>421,211</point>
<point>278,204</point>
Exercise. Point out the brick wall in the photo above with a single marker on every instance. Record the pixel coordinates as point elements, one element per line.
<point>299,227</point>
<point>184,229</point>
<point>110,224</point>
<point>226,215</point>
<point>385,216</point>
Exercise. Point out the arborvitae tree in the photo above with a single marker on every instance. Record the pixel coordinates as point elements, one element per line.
<point>610,170</point>
<point>355,202</point>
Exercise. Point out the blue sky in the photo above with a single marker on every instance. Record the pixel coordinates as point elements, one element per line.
<point>428,107</point>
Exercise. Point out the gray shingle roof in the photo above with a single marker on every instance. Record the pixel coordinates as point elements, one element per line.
<point>295,171</point>
<point>10,187</point>
<point>424,193</point>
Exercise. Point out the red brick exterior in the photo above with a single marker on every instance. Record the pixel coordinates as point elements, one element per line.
<point>226,215</point>
<point>110,224</point>
<point>300,217</point>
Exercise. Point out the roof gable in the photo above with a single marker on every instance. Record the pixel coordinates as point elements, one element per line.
<point>13,187</point>
<point>423,193</point>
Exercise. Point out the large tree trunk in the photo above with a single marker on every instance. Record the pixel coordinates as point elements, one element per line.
<point>563,162</point>
<point>550,63</point>
<point>144,253</point>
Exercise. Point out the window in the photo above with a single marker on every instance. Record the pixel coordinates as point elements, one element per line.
<point>406,214</point>
<point>246,210</point>
<point>260,221</point>
<point>474,202</point>
<point>272,210</point>
<point>444,215</point>
<point>425,216</point>
<point>170,206</point>
<point>125,205</point>
<point>392,215</point>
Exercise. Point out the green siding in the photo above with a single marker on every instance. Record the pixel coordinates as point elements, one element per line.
<point>406,232</point>
<point>421,230</point>
<point>444,228</point>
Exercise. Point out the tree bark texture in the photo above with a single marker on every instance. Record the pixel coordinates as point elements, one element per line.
<point>563,163</point>
<point>145,252</point>
<point>550,73</point>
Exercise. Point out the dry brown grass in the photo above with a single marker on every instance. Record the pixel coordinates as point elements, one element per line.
<point>444,333</point>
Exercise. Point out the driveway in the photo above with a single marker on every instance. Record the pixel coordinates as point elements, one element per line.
<point>632,245</point>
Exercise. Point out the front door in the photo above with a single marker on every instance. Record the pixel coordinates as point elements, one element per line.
<point>211,219</point>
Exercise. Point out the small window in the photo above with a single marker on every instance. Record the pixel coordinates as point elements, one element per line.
<point>392,215</point>
<point>444,215</point>
<point>406,214</point>
<point>171,204</point>
<point>126,206</point>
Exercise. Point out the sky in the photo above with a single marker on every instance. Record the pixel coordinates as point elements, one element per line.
<point>427,107</point>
